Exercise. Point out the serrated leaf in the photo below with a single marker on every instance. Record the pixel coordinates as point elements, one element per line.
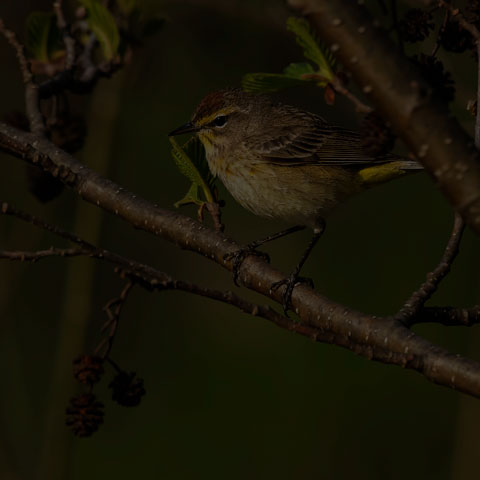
<point>298,69</point>
<point>312,48</point>
<point>190,160</point>
<point>42,35</point>
<point>103,25</point>
<point>268,82</point>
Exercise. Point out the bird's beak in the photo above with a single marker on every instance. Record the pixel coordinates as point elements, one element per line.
<point>187,128</point>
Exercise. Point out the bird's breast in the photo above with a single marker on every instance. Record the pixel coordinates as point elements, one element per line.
<point>300,194</point>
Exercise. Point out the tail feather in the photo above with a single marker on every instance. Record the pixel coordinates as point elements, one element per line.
<point>406,164</point>
<point>385,172</point>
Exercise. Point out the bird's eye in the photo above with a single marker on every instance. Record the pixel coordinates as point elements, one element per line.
<point>220,121</point>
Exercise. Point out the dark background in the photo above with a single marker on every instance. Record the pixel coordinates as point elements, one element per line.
<point>228,395</point>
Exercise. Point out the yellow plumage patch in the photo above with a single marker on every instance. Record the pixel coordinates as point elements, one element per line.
<point>381,173</point>
<point>209,118</point>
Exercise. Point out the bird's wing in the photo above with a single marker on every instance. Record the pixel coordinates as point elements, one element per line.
<point>307,139</point>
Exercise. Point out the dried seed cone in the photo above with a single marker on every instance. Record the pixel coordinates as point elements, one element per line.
<point>127,390</point>
<point>416,25</point>
<point>441,81</point>
<point>88,369</point>
<point>84,415</point>
<point>377,137</point>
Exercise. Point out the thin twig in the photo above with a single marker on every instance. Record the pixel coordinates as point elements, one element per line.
<point>448,316</point>
<point>415,303</point>
<point>113,309</point>
<point>19,50</point>
<point>359,105</point>
<point>154,279</point>
<point>464,23</point>
<point>32,100</point>
<point>338,86</point>
<point>27,256</point>
<point>213,208</point>
<point>68,40</point>
<point>441,30</point>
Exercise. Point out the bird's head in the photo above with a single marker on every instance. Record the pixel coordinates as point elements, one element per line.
<point>222,118</point>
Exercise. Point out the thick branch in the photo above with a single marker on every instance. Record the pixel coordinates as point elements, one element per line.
<point>142,274</point>
<point>403,97</point>
<point>383,339</point>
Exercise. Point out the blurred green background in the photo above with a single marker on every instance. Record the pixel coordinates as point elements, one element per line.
<point>228,395</point>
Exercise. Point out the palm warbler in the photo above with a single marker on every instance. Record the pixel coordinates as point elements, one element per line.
<point>281,162</point>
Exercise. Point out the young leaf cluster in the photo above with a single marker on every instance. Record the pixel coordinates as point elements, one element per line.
<point>320,68</point>
<point>138,18</point>
<point>103,25</point>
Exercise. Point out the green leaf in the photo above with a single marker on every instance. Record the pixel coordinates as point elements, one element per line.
<point>42,35</point>
<point>312,49</point>
<point>296,70</point>
<point>293,75</point>
<point>103,25</point>
<point>268,82</point>
<point>192,163</point>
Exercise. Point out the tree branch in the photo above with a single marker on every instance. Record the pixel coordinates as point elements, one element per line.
<point>68,40</point>
<point>402,96</point>
<point>382,339</point>
<point>24,256</point>
<point>32,99</point>
<point>417,300</point>
<point>457,16</point>
<point>146,276</point>
<point>449,316</point>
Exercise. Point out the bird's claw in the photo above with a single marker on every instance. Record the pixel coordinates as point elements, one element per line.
<point>290,283</point>
<point>239,256</point>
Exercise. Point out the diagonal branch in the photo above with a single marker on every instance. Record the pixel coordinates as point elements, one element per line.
<point>402,96</point>
<point>25,256</point>
<point>417,300</point>
<point>382,339</point>
<point>145,275</point>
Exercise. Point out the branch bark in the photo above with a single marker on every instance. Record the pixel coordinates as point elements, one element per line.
<point>382,339</point>
<point>403,97</point>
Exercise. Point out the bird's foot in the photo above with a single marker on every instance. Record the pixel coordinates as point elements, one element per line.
<point>239,256</point>
<point>290,283</point>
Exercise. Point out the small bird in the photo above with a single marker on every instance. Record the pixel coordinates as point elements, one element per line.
<point>282,162</point>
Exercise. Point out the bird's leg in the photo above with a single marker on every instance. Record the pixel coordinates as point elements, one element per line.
<point>240,255</point>
<point>294,279</point>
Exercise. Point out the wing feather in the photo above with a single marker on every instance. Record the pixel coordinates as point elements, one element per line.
<point>304,138</point>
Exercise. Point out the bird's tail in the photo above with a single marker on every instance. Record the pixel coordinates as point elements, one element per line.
<point>407,164</point>
<point>388,171</point>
